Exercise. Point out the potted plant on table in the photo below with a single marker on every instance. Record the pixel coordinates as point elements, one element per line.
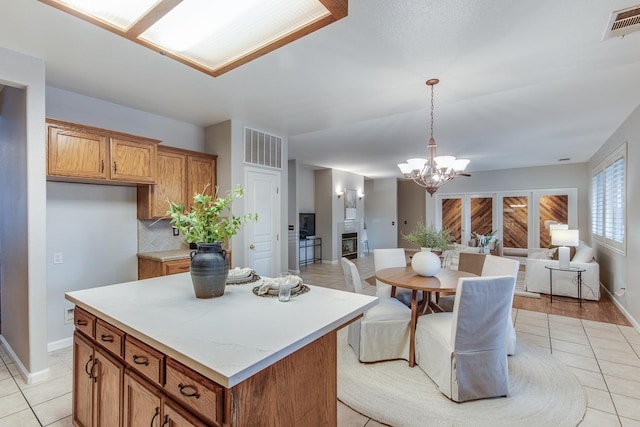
<point>426,263</point>
<point>209,224</point>
<point>484,240</point>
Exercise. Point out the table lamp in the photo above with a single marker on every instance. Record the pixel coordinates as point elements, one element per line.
<point>564,239</point>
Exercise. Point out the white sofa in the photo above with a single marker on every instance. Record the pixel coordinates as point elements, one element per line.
<point>564,282</point>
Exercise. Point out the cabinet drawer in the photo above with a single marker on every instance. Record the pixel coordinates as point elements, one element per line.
<point>84,321</point>
<point>144,359</point>
<point>195,392</point>
<point>177,266</point>
<point>109,337</point>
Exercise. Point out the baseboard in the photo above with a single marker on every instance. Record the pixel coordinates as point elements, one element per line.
<point>624,311</point>
<point>57,345</point>
<point>29,377</point>
<point>328,261</point>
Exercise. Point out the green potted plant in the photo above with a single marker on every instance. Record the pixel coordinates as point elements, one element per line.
<point>429,237</point>
<point>209,224</point>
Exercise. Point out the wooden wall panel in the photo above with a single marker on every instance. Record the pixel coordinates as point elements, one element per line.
<point>515,222</point>
<point>452,218</point>
<point>552,208</point>
<point>482,215</point>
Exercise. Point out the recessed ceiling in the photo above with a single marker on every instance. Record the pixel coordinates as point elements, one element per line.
<point>213,36</point>
<point>522,83</point>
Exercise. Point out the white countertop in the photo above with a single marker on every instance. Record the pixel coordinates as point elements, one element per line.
<point>169,255</point>
<point>227,339</point>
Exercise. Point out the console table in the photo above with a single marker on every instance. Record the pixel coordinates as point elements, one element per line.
<point>576,270</point>
<point>310,251</point>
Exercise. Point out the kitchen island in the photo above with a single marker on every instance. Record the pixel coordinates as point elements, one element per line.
<point>148,352</point>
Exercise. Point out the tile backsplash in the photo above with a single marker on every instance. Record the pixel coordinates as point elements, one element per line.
<point>158,235</point>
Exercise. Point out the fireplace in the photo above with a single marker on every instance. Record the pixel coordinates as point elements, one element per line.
<point>350,245</point>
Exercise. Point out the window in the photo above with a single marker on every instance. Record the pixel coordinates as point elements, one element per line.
<point>608,200</point>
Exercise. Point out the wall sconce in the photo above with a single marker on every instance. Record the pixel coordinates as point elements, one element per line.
<point>339,192</point>
<point>360,196</point>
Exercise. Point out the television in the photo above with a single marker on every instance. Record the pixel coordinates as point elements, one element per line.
<point>307,225</point>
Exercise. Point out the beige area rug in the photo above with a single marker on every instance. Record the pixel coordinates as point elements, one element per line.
<point>519,286</point>
<point>542,392</point>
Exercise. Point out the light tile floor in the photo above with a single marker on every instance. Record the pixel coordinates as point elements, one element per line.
<point>604,357</point>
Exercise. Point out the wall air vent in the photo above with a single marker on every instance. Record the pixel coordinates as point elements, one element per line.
<point>623,22</point>
<point>262,149</point>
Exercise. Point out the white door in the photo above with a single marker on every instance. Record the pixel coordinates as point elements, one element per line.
<point>262,238</point>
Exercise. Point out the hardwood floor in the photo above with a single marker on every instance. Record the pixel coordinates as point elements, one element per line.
<point>600,311</point>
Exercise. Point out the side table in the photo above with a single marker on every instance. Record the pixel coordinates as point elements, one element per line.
<point>576,270</point>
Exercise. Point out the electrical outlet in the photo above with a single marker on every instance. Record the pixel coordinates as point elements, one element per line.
<point>176,232</point>
<point>68,315</point>
<point>57,258</point>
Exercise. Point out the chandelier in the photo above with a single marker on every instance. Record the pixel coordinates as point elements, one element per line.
<point>434,171</point>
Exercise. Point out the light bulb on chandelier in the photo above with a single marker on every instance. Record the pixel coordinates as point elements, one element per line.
<point>434,171</point>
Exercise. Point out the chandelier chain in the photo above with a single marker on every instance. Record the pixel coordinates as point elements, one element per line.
<point>432,111</point>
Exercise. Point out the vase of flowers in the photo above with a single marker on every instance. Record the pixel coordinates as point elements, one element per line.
<point>209,224</point>
<point>483,240</point>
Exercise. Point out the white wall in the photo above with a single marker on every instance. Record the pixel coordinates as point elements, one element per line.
<point>98,243</point>
<point>382,213</point>
<point>306,189</point>
<point>617,270</point>
<point>23,209</point>
<point>95,226</point>
<point>573,175</point>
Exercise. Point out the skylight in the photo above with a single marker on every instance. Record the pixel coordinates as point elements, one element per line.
<point>213,36</point>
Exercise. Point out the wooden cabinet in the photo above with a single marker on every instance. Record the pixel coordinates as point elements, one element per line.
<point>150,268</point>
<point>144,405</point>
<point>148,388</point>
<point>79,153</point>
<point>171,185</point>
<point>97,385</point>
<point>180,174</point>
<point>201,175</point>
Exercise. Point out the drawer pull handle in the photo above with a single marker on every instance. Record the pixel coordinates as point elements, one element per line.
<point>115,167</point>
<point>154,416</point>
<point>194,393</point>
<point>86,367</point>
<point>81,322</point>
<point>166,421</point>
<point>140,360</point>
<point>106,338</point>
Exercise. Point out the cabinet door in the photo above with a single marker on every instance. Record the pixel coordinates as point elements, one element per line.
<point>176,417</point>
<point>108,390</point>
<point>133,161</point>
<point>82,381</point>
<point>171,186</point>
<point>201,173</point>
<point>142,403</point>
<point>76,153</point>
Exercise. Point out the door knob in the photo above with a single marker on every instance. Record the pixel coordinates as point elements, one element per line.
<point>252,246</point>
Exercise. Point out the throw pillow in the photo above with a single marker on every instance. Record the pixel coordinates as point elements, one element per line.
<point>584,254</point>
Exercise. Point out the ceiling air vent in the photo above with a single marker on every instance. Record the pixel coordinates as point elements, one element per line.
<point>623,22</point>
<point>262,149</point>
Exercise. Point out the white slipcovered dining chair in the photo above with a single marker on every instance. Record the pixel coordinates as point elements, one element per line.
<point>383,331</point>
<point>388,258</point>
<point>463,351</point>
<point>492,266</point>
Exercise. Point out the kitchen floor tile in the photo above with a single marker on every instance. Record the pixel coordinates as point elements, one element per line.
<point>600,400</point>
<point>24,418</point>
<point>53,410</point>
<point>595,418</point>
<point>590,378</point>
<point>627,407</point>
<point>623,386</point>
<point>12,403</point>
<point>582,362</point>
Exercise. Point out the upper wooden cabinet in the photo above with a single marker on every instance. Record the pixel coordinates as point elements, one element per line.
<point>81,153</point>
<point>181,174</point>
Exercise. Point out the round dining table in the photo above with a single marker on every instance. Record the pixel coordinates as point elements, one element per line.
<point>446,281</point>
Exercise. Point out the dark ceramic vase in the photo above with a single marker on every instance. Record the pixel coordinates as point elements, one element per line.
<point>209,270</point>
